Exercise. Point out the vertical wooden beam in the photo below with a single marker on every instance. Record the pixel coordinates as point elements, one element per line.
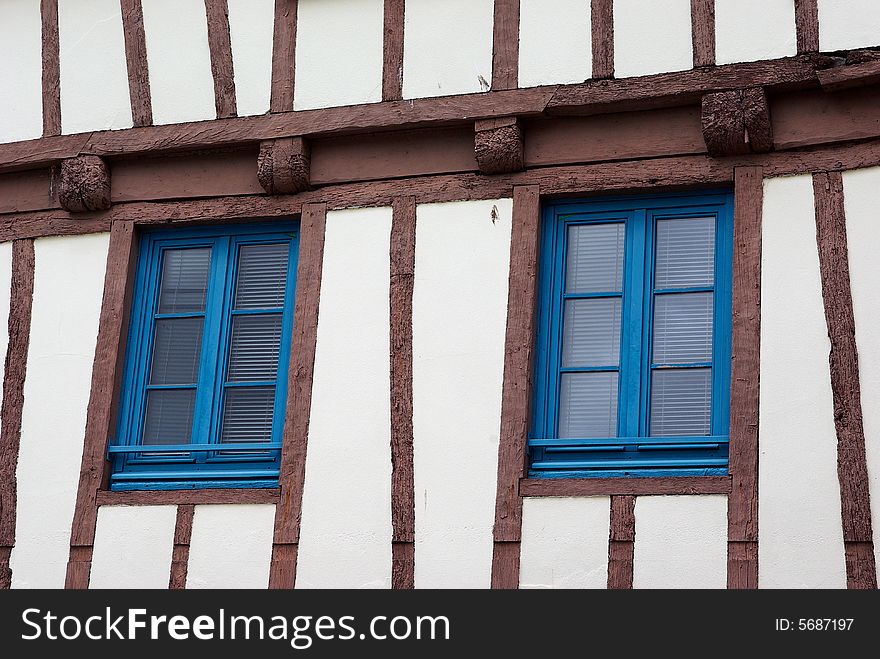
<point>852,468</point>
<point>136,60</point>
<point>703,31</point>
<point>220,47</point>
<point>392,49</point>
<point>21,295</point>
<point>106,375</point>
<point>806,20</point>
<point>516,389</point>
<point>283,56</point>
<point>180,553</point>
<point>742,507</point>
<point>505,45</point>
<point>621,542</point>
<point>294,440</point>
<point>602,19</point>
<point>403,257</point>
<point>51,69</point>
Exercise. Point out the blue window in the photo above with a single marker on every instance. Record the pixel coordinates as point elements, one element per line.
<point>633,341</point>
<point>205,379</point>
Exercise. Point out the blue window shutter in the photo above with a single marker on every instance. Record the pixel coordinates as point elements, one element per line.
<point>633,347</point>
<point>206,359</point>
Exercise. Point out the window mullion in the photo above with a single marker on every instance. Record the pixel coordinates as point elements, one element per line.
<point>631,336</point>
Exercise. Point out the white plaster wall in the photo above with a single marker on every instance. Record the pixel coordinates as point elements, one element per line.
<point>554,42</point>
<point>94,75</point>
<point>447,47</point>
<point>345,536</point>
<point>681,542</point>
<point>565,542</point>
<point>21,91</point>
<point>338,53</point>
<point>68,286</point>
<point>459,318</point>
<point>181,83</point>
<point>747,30</point>
<point>861,196</point>
<point>251,24</point>
<point>801,544</point>
<point>133,546</point>
<point>231,546</point>
<point>5,290</point>
<point>652,37</point>
<point>845,24</point>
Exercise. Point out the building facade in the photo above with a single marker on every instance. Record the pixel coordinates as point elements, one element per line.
<point>422,294</point>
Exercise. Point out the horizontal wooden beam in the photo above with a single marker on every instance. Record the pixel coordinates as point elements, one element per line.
<point>591,97</point>
<point>589,487</point>
<point>188,497</point>
<point>846,77</point>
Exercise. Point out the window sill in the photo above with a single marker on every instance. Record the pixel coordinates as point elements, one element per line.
<point>191,497</point>
<point>644,486</point>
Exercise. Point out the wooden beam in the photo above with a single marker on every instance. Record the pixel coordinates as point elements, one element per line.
<point>51,69</point>
<point>505,45</point>
<point>703,32</point>
<point>403,256</point>
<point>295,436</point>
<point>516,388</point>
<point>392,51</point>
<point>136,61</point>
<point>742,507</point>
<point>203,497</point>
<point>602,24</point>
<point>283,56</point>
<point>84,184</point>
<point>593,487</point>
<point>106,376</point>
<point>21,296</point>
<point>737,122</point>
<point>852,469</point>
<point>806,20</point>
<point>498,145</point>
<point>284,165</point>
<point>849,76</point>
<point>621,542</point>
<point>180,551</point>
<point>220,47</point>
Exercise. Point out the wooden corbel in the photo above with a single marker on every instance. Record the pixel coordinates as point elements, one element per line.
<point>498,145</point>
<point>737,122</point>
<point>84,184</point>
<point>284,165</point>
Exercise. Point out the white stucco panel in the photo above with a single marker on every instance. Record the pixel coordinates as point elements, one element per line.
<point>447,47</point>
<point>133,547</point>
<point>652,37</point>
<point>554,42</point>
<point>747,30</point>
<point>681,542</point>
<point>251,24</point>
<point>845,24</point>
<point>94,75</point>
<point>565,542</point>
<point>801,544</point>
<point>231,546</point>
<point>68,287</point>
<point>459,319</point>
<point>338,53</point>
<point>861,197</point>
<point>5,289</point>
<point>345,535</point>
<point>181,82</point>
<point>21,91</point>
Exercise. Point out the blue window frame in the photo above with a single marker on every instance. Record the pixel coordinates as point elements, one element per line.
<point>205,378</point>
<point>633,342</point>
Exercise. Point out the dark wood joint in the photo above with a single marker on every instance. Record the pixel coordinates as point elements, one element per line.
<point>737,122</point>
<point>84,184</point>
<point>498,145</point>
<point>284,165</point>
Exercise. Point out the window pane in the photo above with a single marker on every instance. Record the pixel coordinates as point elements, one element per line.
<point>184,280</point>
<point>247,414</point>
<point>682,328</point>
<point>254,348</point>
<point>591,332</point>
<point>169,416</point>
<point>681,402</point>
<point>595,258</point>
<point>176,350</point>
<point>588,405</point>
<point>685,252</point>
<point>262,271</point>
